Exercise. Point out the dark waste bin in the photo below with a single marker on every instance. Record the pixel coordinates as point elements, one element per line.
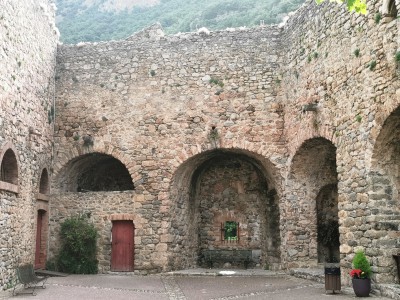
<point>332,279</point>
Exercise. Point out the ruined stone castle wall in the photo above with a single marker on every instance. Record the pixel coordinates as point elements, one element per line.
<point>152,104</point>
<point>313,107</point>
<point>27,58</point>
<point>345,63</point>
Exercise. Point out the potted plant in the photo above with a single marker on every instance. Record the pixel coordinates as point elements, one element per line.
<point>361,275</point>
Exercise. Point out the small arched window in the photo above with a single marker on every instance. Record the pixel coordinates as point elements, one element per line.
<point>9,168</point>
<point>44,187</point>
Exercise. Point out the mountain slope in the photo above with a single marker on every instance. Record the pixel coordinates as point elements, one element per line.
<point>101,20</point>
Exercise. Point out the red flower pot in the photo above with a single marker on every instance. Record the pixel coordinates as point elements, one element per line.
<point>361,286</point>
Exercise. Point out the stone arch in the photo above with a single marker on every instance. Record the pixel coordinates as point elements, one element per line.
<point>219,183</point>
<point>94,172</point>
<point>312,168</point>
<point>326,132</point>
<point>9,175</point>
<point>384,196</point>
<point>77,151</point>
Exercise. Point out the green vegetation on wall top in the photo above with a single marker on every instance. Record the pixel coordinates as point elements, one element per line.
<point>91,21</point>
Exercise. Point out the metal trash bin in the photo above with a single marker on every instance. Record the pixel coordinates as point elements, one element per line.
<point>332,279</point>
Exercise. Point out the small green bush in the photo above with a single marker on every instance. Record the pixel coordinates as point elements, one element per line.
<point>78,250</point>
<point>397,57</point>
<point>377,18</point>
<point>360,262</point>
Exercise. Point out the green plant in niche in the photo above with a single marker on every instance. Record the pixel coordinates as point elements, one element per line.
<point>216,81</point>
<point>78,249</point>
<point>358,118</point>
<point>153,73</point>
<point>357,52</point>
<point>397,57</point>
<point>315,55</point>
<point>377,18</point>
<point>231,231</point>
<point>372,65</point>
<point>76,137</point>
<point>309,58</point>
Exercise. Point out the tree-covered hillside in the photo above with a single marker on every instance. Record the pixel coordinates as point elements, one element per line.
<point>96,20</point>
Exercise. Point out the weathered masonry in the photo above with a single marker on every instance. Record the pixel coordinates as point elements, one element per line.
<point>249,139</point>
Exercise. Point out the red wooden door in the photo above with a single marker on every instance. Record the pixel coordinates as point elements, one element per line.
<point>122,246</point>
<point>39,226</point>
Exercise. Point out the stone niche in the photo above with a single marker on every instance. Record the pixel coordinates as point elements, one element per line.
<point>232,188</point>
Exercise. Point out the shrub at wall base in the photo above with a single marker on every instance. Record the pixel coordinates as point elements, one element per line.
<point>78,250</point>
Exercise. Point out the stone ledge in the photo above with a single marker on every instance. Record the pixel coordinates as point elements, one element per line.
<point>389,290</point>
<point>9,187</point>
<point>40,196</point>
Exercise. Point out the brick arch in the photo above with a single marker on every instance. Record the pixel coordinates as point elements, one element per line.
<point>107,150</point>
<point>15,165</point>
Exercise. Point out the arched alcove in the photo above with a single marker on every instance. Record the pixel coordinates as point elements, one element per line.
<point>384,197</point>
<point>44,185</point>
<point>94,172</point>
<point>313,193</point>
<point>9,167</point>
<point>218,188</point>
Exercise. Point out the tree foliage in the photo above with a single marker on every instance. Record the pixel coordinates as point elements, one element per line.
<point>359,6</point>
<point>79,21</point>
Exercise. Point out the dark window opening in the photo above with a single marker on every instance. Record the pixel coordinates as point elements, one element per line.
<point>392,9</point>
<point>96,172</point>
<point>44,187</point>
<point>9,168</point>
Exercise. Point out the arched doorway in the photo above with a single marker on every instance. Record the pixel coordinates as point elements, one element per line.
<point>384,198</point>
<point>42,207</point>
<point>312,205</point>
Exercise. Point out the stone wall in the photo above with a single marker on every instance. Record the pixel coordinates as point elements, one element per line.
<point>103,208</point>
<point>153,104</point>
<point>28,38</point>
<point>345,64</point>
<point>309,110</point>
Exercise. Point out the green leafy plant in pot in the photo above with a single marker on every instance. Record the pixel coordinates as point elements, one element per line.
<point>361,275</point>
